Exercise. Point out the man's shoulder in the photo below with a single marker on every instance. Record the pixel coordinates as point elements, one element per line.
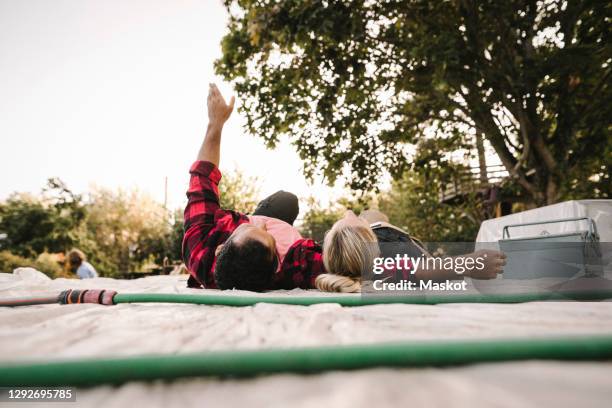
<point>224,217</point>
<point>307,244</point>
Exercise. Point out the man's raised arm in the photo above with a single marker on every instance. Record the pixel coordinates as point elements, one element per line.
<point>218,113</point>
<point>203,196</point>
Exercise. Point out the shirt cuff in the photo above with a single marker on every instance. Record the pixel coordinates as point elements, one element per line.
<point>206,169</point>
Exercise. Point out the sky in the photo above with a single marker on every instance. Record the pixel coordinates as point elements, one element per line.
<point>113,93</point>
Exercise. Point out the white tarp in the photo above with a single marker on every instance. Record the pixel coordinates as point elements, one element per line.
<point>599,211</point>
<point>77,331</point>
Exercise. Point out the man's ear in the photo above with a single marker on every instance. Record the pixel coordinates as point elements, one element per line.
<point>218,249</point>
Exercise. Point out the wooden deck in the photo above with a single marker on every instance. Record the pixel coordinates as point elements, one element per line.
<point>470,181</point>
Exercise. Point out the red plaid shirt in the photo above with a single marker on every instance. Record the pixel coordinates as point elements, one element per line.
<point>208,226</point>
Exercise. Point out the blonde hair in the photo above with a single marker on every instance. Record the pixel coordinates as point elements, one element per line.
<point>348,252</point>
<point>328,282</point>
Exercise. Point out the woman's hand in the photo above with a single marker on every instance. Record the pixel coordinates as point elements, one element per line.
<point>492,264</point>
<point>218,110</point>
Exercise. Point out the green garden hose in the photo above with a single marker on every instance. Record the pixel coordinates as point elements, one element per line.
<point>89,372</point>
<point>247,363</point>
<point>356,300</point>
<point>109,297</point>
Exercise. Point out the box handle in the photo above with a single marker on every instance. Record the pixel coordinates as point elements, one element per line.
<point>592,227</point>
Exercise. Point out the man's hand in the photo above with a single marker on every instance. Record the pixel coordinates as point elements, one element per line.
<point>493,263</point>
<point>218,110</point>
<point>218,113</point>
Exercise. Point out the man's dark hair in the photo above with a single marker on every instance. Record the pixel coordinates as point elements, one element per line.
<point>249,265</point>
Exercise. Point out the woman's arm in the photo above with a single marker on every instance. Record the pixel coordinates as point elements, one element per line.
<point>492,263</point>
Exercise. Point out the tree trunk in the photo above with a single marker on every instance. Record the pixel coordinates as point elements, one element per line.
<point>482,160</point>
<point>552,190</point>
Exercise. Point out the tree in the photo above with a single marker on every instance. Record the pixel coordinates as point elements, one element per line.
<point>34,225</point>
<point>412,204</point>
<point>318,220</point>
<point>125,229</point>
<point>355,84</point>
<point>176,236</point>
<point>239,192</point>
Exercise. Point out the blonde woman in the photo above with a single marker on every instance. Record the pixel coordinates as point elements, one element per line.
<point>349,249</point>
<point>352,244</point>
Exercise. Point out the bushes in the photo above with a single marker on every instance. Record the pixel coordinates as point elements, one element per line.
<point>37,224</point>
<point>119,231</point>
<point>9,261</point>
<point>318,220</point>
<point>46,263</point>
<point>52,265</point>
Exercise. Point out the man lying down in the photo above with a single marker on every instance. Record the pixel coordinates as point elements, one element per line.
<point>226,249</point>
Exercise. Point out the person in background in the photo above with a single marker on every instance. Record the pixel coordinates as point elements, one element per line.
<point>80,266</point>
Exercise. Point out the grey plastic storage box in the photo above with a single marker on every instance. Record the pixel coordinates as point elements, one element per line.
<point>564,255</point>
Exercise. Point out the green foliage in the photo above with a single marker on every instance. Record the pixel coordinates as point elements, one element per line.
<point>44,263</point>
<point>412,204</point>
<point>119,231</point>
<point>176,236</point>
<point>49,264</point>
<point>318,220</point>
<point>47,223</point>
<point>356,84</point>
<point>124,228</point>
<point>9,261</point>
<point>239,192</point>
